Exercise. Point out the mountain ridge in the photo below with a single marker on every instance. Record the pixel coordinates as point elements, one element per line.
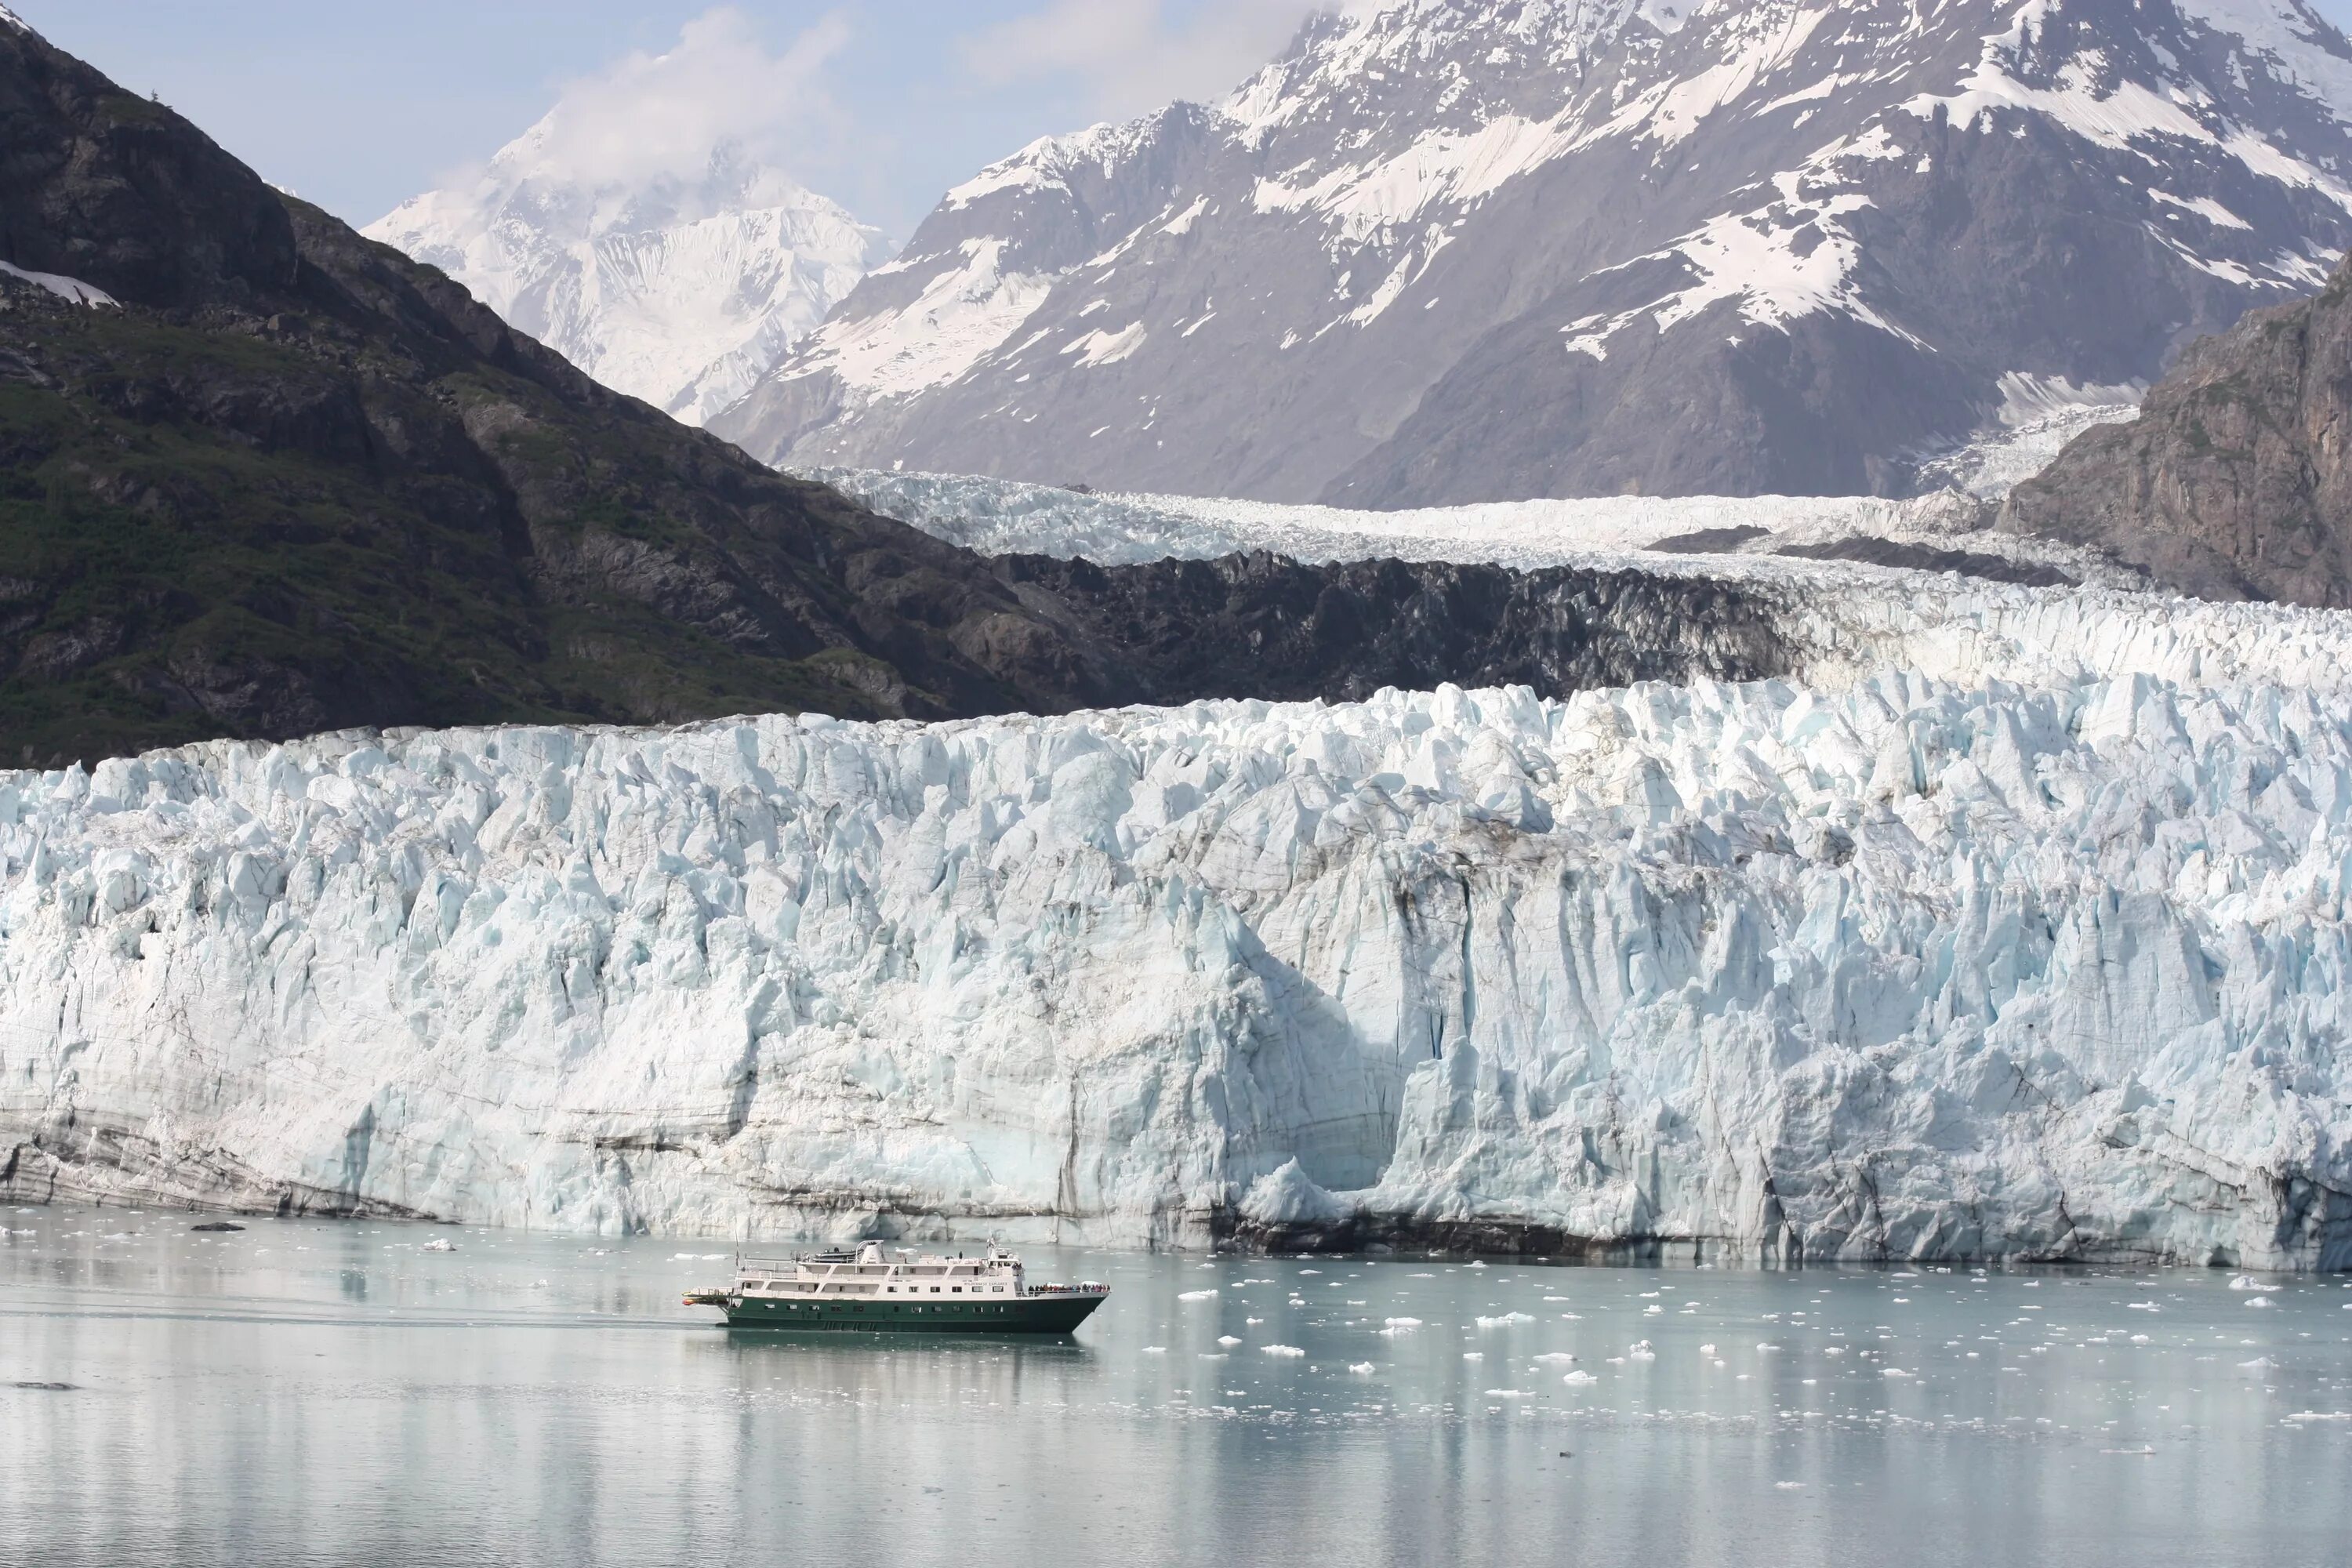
<point>1449,251</point>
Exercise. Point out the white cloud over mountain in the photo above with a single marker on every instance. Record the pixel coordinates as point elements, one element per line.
<point>649,115</point>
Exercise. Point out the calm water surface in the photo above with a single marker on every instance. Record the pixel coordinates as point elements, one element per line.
<point>319,1392</point>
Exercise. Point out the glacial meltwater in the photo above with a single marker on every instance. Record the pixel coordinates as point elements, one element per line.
<point>308,1392</point>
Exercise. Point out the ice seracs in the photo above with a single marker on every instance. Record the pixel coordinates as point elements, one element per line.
<point>2012,924</point>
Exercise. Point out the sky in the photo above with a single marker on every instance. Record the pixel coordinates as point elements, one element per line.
<point>881,104</point>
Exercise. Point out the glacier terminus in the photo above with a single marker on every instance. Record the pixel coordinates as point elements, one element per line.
<point>2009,923</point>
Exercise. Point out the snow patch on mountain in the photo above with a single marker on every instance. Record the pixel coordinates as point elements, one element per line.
<point>684,291</point>
<point>959,317</point>
<point>73,290</point>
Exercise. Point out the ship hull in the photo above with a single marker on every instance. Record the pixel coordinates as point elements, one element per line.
<point>1029,1315</point>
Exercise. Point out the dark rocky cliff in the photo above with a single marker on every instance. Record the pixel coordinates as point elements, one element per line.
<point>2235,483</point>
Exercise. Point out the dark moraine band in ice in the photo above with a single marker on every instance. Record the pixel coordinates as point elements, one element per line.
<point>2031,943</point>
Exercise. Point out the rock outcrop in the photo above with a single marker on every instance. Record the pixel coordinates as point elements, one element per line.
<point>2236,482</point>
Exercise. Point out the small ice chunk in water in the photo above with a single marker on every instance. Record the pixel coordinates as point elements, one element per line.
<point>1403,1322</point>
<point>1557,1357</point>
<point>1282,1350</point>
<point>1228,1340</point>
<point>437,1245</point>
<point>1505,1320</point>
<point>1360,1368</point>
<point>1474,1355</point>
<point>1196,1294</point>
<point>1706,1350</point>
<point>1155,1350</point>
<point>1580,1378</point>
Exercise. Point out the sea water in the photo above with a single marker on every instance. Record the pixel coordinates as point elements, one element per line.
<point>311,1392</point>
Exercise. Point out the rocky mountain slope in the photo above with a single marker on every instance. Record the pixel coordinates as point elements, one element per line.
<point>1466,250</point>
<point>682,293</point>
<point>280,479</point>
<point>2236,483</point>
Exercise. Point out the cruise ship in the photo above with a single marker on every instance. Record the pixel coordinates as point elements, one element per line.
<point>874,1290</point>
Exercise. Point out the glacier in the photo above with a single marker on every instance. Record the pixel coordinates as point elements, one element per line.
<point>1956,512</point>
<point>2009,923</point>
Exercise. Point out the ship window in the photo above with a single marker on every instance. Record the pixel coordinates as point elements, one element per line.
<point>935,1289</point>
<point>958,1290</point>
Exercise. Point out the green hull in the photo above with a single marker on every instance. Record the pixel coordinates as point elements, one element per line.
<point>1029,1315</point>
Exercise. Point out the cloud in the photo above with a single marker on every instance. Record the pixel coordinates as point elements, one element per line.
<point>648,115</point>
<point>1131,56</point>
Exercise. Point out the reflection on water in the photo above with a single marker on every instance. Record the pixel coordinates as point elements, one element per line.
<point>337,1394</point>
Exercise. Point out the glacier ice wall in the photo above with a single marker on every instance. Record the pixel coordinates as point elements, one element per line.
<point>1901,966</point>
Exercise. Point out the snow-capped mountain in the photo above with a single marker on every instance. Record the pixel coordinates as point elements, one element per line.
<point>681,292</point>
<point>1457,250</point>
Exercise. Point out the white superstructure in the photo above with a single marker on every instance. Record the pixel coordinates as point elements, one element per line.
<point>870,1271</point>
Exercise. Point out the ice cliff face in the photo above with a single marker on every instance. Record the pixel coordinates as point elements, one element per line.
<point>2033,942</point>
